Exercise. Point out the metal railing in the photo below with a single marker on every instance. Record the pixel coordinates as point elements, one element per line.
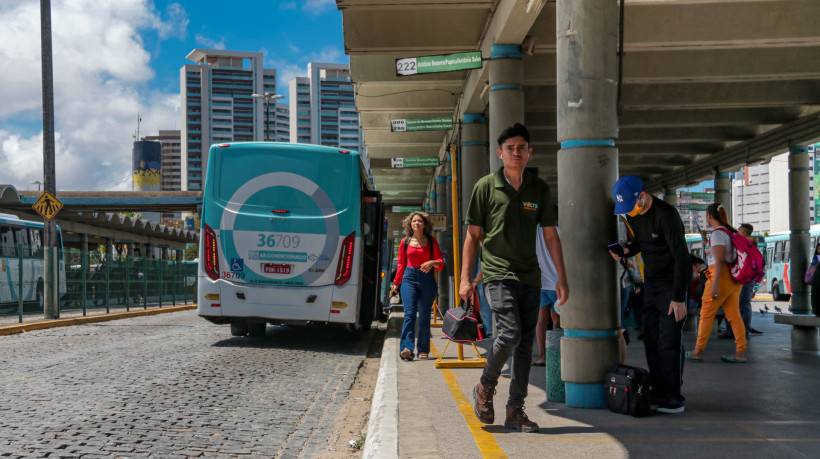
<point>91,282</point>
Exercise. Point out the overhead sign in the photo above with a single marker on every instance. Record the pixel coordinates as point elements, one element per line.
<point>696,195</point>
<point>47,206</point>
<point>408,209</point>
<point>399,163</point>
<point>692,206</point>
<point>444,123</point>
<point>437,64</point>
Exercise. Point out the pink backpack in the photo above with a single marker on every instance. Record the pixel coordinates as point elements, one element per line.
<point>749,268</point>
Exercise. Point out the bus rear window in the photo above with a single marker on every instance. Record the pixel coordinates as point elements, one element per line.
<point>265,180</point>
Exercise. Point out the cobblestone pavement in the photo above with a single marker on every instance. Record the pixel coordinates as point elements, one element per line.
<point>172,385</point>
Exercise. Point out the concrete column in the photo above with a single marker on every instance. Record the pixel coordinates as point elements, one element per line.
<point>506,94</point>
<point>149,251</point>
<point>474,160</point>
<point>441,193</point>
<point>446,273</point>
<point>109,248</point>
<point>671,197</point>
<point>586,39</point>
<point>799,222</point>
<point>723,191</point>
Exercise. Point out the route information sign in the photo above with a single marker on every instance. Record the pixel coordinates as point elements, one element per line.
<point>422,124</point>
<point>437,64</point>
<point>47,206</point>
<point>399,163</point>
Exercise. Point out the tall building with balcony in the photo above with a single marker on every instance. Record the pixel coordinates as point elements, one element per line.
<point>322,109</point>
<point>218,106</point>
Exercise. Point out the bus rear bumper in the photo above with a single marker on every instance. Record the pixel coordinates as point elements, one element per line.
<point>222,301</point>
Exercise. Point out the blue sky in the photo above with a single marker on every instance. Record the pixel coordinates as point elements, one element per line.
<point>115,58</point>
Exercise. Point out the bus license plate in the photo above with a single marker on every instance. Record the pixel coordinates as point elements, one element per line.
<point>275,268</point>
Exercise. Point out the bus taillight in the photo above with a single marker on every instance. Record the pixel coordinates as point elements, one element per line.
<point>345,265</point>
<point>209,253</point>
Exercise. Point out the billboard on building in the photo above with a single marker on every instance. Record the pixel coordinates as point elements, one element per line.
<point>146,159</point>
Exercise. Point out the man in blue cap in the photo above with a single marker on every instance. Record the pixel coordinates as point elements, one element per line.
<point>659,236</point>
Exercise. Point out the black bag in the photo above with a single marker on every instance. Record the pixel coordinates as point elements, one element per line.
<point>461,324</point>
<point>627,390</point>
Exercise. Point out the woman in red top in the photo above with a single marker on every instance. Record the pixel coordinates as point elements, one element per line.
<point>418,282</point>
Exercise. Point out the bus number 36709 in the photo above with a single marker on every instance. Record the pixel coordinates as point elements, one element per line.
<point>285,241</point>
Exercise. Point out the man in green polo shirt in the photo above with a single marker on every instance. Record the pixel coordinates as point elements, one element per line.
<point>507,206</point>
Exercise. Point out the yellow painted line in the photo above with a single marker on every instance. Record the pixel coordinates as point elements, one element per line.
<point>486,443</point>
<point>26,327</point>
<point>668,440</point>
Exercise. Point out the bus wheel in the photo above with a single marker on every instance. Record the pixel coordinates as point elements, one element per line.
<point>239,328</point>
<point>257,328</point>
<point>776,294</point>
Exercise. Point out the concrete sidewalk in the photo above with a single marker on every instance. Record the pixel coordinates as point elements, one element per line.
<point>768,407</point>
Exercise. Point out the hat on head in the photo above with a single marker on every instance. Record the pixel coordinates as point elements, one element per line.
<point>626,191</point>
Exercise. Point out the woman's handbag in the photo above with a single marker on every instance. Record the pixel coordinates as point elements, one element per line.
<point>461,324</point>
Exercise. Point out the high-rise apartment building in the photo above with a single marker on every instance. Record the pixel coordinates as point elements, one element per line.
<point>171,163</point>
<point>760,194</point>
<point>217,106</point>
<point>322,109</point>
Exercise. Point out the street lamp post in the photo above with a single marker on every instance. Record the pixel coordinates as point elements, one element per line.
<point>267,96</point>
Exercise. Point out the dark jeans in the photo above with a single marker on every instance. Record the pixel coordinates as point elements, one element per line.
<point>515,308</point>
<point>418,291</point>
<point>662,338</point>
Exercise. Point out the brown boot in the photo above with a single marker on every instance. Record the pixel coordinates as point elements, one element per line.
<point>483,404</point>
<point>518,420</point>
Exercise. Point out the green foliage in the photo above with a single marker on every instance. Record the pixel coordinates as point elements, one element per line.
<point>191,252</point>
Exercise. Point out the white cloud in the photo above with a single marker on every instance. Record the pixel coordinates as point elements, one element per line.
<point>329,54</point>
<point>175,24</point>
<point>208,42</point>
<point>318,6</point>
<point>101,68</point>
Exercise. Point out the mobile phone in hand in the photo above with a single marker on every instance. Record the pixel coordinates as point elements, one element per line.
<point>617,249</point>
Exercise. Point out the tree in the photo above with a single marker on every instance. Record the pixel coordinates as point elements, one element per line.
<point>191,252</point>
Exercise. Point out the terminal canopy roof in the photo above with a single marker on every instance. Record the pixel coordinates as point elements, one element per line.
<point>708,85</point>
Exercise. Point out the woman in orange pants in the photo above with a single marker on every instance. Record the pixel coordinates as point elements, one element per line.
<point>721,290</point>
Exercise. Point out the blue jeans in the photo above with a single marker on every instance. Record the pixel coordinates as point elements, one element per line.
<point>515,307</point>
<point>484,310</point>
<point>418,291</point>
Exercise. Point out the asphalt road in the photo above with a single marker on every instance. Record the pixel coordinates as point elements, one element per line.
<point>172,385</point>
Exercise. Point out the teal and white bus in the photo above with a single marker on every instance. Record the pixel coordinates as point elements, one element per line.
<point>291,234</point>
<point>21,265</point>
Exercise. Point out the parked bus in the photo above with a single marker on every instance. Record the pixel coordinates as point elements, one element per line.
<point>21,243</point>
<point>291,234</point>
<point>778,256</point>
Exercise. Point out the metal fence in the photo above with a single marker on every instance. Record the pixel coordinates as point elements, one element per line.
<point>92,282</point>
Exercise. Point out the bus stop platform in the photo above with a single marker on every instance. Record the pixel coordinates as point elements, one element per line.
<point>10,325</point>
<point>768,407</point>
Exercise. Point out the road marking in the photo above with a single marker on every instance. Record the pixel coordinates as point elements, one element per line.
<point>486,443</point>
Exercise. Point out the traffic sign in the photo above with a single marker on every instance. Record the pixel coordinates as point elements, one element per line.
<point>47,206</point>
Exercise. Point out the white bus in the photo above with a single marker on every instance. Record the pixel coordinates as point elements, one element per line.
<point>291,234</point>
<point>21,245</point>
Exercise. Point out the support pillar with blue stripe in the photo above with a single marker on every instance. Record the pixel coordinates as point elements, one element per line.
<point>587,73</point>
<point>799,223</point>
<point>723,191</point>
<point>506,95</point>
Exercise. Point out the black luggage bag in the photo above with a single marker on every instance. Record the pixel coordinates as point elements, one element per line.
<point>627,390</point>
